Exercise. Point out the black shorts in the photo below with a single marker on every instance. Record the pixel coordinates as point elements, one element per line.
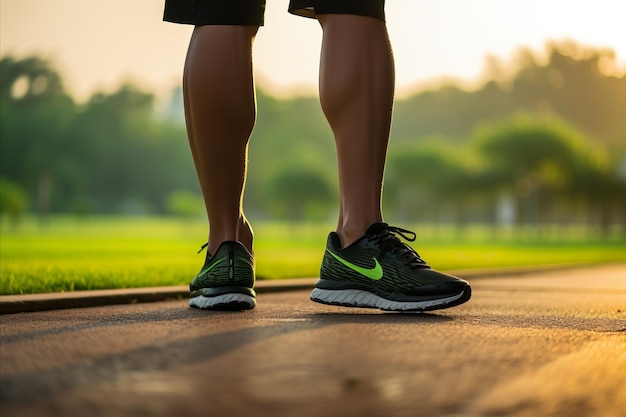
<point>252,12</point>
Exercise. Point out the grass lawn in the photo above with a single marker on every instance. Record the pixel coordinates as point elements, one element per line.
<point>98,253</point>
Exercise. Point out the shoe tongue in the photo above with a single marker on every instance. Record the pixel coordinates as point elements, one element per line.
<point>377,228</point>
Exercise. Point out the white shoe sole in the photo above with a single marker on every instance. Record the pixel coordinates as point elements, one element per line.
<point>359,298</point>
<point>223,302</point>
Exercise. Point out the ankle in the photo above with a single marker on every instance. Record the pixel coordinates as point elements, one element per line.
<point>348,234</point>
<point>245,235</point>
<point>239,232</point>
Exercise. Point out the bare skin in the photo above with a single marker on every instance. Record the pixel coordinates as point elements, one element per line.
<point>356,93</point>
<point>220,111</point>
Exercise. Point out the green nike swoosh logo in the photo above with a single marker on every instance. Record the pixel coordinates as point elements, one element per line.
<point>208,268</point>
<point>374,273</point>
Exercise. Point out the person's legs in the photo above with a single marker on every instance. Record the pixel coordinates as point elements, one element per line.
<point>218,91</point>
<point>356,93</point>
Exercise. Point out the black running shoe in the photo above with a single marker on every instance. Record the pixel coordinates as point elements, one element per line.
<point>380,271</point>
<point>226,280</point>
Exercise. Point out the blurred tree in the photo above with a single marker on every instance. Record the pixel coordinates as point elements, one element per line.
<point>289,133</point>
<point>130,157</point>
<point>300,192</point>
<point>111,153</point>
<point>13,201</point>
<point>580,84</point>
<point>595,185</point>
<point>576,84</point>
<point>185,204</point>
<point>36,113</point>
<point>533,159</point>
<point>436,180</point>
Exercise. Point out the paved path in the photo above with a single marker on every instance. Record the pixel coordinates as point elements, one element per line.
<point>551,344</point>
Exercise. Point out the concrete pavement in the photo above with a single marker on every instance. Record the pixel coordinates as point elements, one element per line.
<point>541,344</point>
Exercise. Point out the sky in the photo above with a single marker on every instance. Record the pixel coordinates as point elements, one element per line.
<point>96,47</point>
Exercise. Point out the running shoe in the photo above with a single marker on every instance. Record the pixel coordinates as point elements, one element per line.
<point>226,280</point>
<point>381,271</point>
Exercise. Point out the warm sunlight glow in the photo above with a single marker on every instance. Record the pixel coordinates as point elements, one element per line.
<point>96,47</point>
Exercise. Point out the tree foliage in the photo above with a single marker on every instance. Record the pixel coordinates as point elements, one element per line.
<point>550,133</point>
<point>13,200</point>
<point>571,84</point>
<point>109,152</point>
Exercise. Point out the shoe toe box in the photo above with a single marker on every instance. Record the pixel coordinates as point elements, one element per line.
<point>431,282</point>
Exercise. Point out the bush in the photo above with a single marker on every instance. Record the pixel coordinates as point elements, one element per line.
<point>13,200</point>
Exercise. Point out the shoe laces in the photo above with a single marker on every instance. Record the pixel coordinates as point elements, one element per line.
<point>389,241</point>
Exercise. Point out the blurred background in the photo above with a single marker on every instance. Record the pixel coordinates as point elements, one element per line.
<point>510,115</point>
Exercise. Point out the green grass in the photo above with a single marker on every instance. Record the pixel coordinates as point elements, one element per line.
<point>69,254</point>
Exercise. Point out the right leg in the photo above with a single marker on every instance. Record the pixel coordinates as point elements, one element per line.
<point>218,90</point>
<point>220,109</point>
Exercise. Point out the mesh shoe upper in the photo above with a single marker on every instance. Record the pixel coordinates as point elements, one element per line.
<point>232,266</point>
<point>382,264</point>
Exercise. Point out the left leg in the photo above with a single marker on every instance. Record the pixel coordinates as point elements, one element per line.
<point>365,263</point>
